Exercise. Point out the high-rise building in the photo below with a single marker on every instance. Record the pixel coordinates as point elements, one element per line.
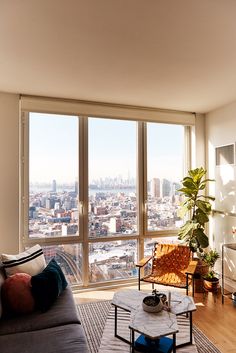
<point>76,187</point>
<point>54,186</point>
<point>166,188</point>
<point>155,187</point>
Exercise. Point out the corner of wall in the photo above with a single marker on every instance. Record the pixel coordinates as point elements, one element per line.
<point>9,177</point>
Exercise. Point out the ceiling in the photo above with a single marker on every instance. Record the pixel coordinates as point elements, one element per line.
<point>174,54</point>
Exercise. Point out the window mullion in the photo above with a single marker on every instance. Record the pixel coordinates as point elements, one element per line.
<point>83,187</point>
<point>24,179</point>
<point>141,192</point>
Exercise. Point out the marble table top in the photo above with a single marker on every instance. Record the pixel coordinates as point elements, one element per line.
<point>131,299</point>
<point>153,325</point>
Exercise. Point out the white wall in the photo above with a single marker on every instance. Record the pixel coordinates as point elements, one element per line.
<point>221,130</point>
<point>9,173</point>
<point>199,148</point>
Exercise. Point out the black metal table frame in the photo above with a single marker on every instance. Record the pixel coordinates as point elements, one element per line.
<point>131,342</point>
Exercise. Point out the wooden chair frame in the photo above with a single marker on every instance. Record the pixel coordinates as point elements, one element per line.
<point>173,252</point>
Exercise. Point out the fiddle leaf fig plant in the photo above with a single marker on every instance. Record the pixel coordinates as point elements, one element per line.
<point>198,204</point>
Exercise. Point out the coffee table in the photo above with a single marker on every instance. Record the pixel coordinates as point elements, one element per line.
<point>153,325</point>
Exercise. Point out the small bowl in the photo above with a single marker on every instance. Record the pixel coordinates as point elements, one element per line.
<point>152,304</point>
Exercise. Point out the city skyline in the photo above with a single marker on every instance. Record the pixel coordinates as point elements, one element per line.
<point>131,183</point>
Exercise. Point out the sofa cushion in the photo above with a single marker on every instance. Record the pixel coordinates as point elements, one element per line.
<point>16,294</point>
<point>48,285</point>
<point>31,261</point>
<point>59,339</point>
<point>62,312</point>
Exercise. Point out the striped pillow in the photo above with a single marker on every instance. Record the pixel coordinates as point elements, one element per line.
<point>31,261</point>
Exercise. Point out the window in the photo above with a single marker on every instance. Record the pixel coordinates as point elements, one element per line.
<point>86,182</point>
<point>69,257</point>
<point>165,167</point>
<point>112,177</point>
<point>53,175</point>
<point>113,260</point>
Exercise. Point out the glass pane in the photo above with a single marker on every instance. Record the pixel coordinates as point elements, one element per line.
<point>69,257</point>
<point>113,260</point>
<point>53,175</point>
<point>150,242</point>
<point>112,177</point>
<point>165,165</point>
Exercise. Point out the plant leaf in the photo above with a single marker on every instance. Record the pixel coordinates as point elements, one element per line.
<point>205,206</point>
<point>201,238</point>
<point>201,217</point>
<point>186,230</point>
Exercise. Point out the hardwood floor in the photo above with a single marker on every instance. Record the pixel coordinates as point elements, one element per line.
<point>216,320</point>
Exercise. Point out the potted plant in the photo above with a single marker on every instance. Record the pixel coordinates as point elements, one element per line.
<point>211,280</point>
<point>197,203</point>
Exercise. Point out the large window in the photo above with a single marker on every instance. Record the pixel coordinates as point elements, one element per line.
<point>165,168</point>
<point>53,175</point>
<point>98,192</point>
<point>112,177</point>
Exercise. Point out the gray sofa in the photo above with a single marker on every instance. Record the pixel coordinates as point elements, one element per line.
<point>57,330</point>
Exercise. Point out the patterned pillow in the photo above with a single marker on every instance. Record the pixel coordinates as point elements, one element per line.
<point>31,261</point>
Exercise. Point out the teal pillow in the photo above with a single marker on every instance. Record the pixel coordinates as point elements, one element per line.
<point>48,285</point>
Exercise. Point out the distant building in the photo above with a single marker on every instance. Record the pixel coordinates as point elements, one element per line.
<point>57,205</point>
<point>76,187</point>
<point>54,186</point>
<point>115,225</point>
<point>155,187</point>
<point>32,212</point>
<point>69,229</point>
<point>50,203</point>
<point>100,210</point>
<point>166,188</point>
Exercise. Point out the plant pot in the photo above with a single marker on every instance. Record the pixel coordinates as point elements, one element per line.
<point>152,304</point>
<point>211,285</point>
<point>201,270</point>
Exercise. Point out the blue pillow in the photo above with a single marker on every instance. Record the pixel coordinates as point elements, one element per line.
<point>48,285</point>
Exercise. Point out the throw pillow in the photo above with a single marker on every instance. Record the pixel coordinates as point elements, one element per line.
<point>17,295</point>
<point>31,261</point>
<point>48,285</point>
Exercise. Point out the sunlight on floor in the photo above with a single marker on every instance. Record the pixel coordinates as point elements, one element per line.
<point>199,304</point>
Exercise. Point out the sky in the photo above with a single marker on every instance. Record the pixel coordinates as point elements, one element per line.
<point>53,149</point>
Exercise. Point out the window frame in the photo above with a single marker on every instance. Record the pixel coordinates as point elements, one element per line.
<point>83,237</point>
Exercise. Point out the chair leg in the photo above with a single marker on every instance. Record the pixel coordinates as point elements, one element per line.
<point>139,277</point>
<point>152,286</point>
<point>193,286</point>
<point>187,284</point>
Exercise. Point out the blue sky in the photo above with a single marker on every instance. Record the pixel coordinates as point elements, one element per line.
<point>112,148</point>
